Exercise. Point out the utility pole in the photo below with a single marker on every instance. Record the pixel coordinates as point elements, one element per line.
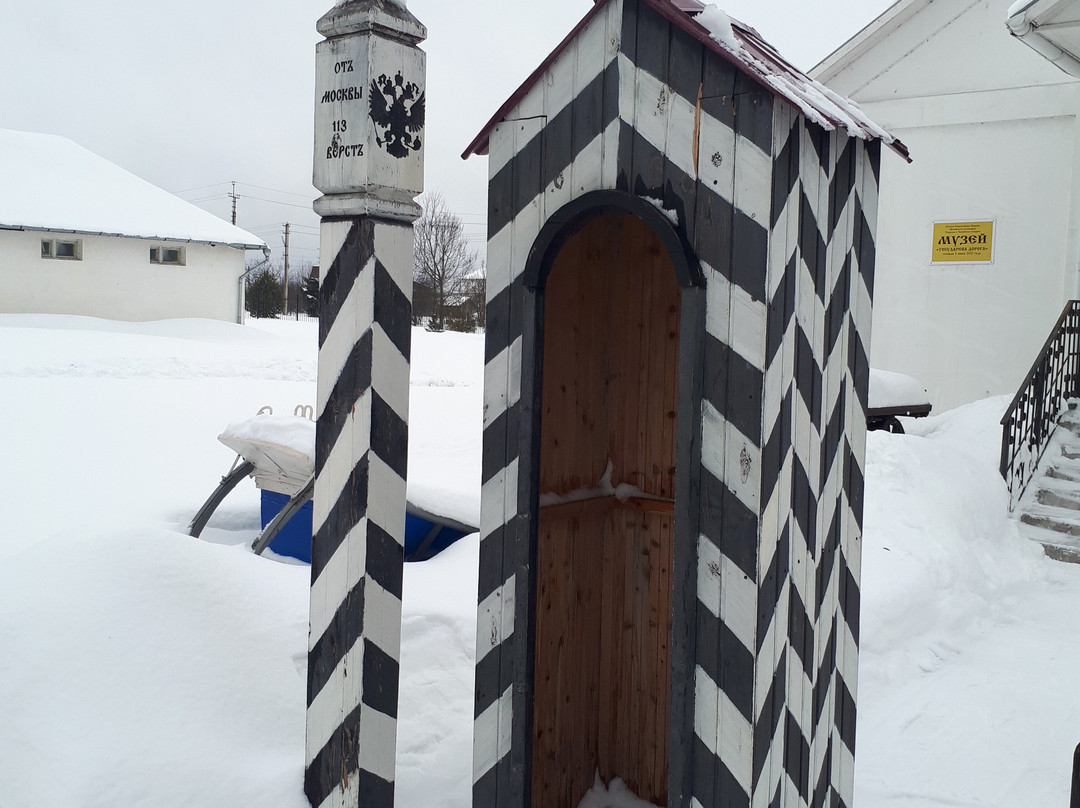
<point>286,268</point>
<point>234,197</point>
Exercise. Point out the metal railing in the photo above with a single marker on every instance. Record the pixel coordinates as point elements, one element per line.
<point>1034,412</point>
<point>1074,802</point>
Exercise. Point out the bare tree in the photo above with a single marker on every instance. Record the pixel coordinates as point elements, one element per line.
<point>444,268</point>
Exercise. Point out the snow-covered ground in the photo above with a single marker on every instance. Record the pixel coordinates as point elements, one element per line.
<point>140,667</point>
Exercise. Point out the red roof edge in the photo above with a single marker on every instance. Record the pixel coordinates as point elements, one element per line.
<point>479,144</point>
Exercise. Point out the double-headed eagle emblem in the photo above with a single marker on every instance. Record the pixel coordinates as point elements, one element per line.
<point>397,108</point>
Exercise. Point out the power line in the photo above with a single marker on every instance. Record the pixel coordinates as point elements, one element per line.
<point>278,202</point>
<point>246,184</point>
<point>278,190</point>
<point>199,188</point>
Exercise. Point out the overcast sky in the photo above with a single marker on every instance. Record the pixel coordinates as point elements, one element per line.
<point>193,95</point>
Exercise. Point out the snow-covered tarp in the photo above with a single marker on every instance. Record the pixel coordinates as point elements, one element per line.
<point>282,447</point>
<point>890,390</point>
<point>48,182</point>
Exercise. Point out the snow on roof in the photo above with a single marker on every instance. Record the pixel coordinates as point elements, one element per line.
<point>816,101</point>
<point>747,50</point>
<point>52,183</point>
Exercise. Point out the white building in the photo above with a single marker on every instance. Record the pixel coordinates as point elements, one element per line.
<point>993,131</point>
<point>80,235</point>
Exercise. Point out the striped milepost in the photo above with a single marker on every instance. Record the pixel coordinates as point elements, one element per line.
<point>368,162</point>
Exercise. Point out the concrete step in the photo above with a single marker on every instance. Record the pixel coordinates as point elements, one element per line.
<point>1058,546</point>
<point>1063,473</point>
<point>1059,552</point>
<point>1049,512</point>
<point>1064,498</point>
<point>1051,523</point>
<point>1070,418</point>
<point>1070,451</point>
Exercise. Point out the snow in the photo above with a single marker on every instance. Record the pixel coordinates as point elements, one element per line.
<point>718,23</point>
<point>52,183</point>
<point>292,432</point>
<point>603,488</point>
<point>282,448</point>
<point>816,101</point>
<point>615,795</point>
<point>890,389</point>
<point>965,692</point>
<point>446,405</point>
<point>141,667</point>
<point>671,215</point>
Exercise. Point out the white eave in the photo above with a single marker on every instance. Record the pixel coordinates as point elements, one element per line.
<point>251,244</point>
<point>1049,27</point>
<point>864,40</point>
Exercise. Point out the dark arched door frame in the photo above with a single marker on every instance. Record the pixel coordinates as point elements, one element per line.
<point>558,229</point>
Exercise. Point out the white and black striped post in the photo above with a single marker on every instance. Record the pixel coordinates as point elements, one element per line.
<point>369,121</point>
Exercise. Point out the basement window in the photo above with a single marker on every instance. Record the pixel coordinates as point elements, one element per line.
<point>56,248</point>
<point>167,255</point>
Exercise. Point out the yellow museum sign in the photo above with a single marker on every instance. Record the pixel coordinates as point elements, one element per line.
<point>963,243</point>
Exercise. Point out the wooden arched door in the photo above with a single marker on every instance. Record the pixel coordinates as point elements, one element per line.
<point>605,527</point>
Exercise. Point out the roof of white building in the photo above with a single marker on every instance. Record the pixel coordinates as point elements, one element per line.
<point>51,183</point>
<point>875,32</point>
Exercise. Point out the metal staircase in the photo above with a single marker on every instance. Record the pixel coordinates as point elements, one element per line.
<point>1050,508</point>
<point>1040,445</point>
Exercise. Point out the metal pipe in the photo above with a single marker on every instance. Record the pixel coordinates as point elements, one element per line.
<point>1028,32</point>
<point>295,503</point>
<point>242,281</point>
<point>227,484</point>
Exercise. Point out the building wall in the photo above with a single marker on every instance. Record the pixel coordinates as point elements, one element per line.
<point>993,134</point>
<point>968,331</point>
<point>114,279</point>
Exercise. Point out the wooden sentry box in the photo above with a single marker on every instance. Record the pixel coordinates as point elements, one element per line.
<point>680,275</point>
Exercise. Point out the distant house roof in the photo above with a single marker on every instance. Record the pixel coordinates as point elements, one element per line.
<point>743,47</point>
<point>50,183</point>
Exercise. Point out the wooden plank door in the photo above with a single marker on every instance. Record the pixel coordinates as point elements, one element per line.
<point>605,528</point>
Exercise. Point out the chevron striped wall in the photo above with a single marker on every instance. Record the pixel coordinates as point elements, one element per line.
<point>820,286</point>
<point>357,550</point>
<point>779,214</point>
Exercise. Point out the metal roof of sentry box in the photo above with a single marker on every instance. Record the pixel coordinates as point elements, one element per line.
<point>52,183</point>
<point>745,48</point>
